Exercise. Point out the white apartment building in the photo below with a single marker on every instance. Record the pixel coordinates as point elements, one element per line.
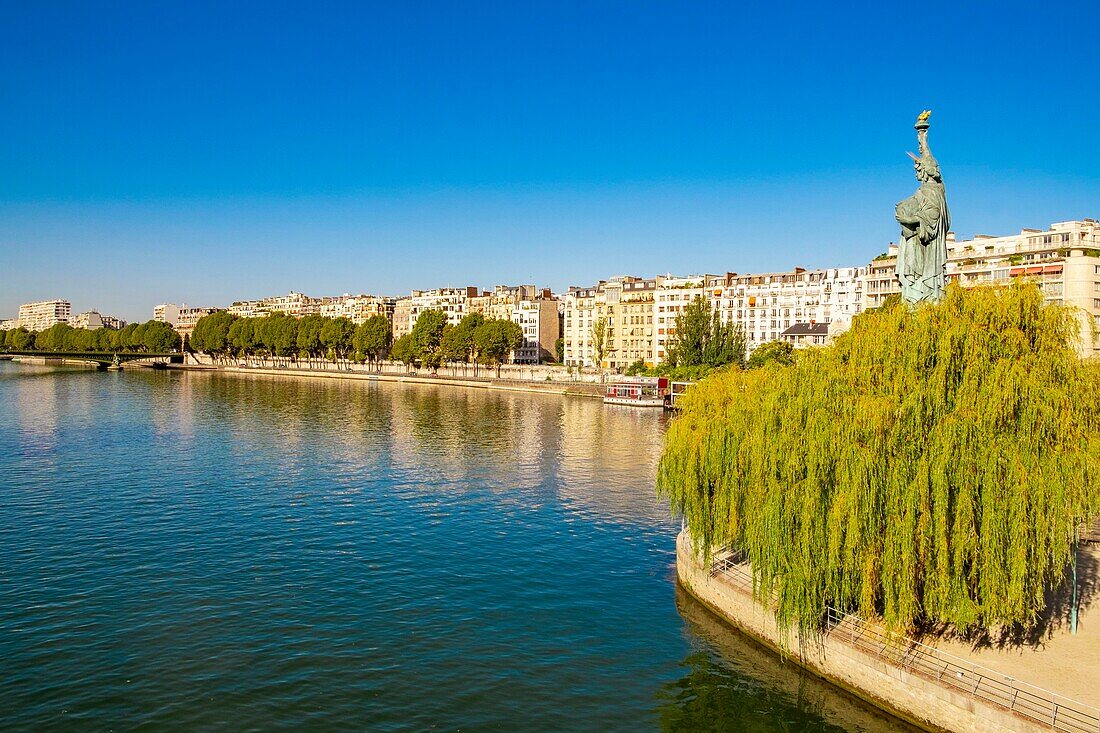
<point>357,308</point>
<point>768,304</point>
<point>45,313</point>
<point>1064,260</point>
<point>541,326</point>
<point>9,324</point>
<point>452,301</point>
<point>293,304</point>
<point>90,320</point>
<point>245,308</point>
<point>115,324</point>
<point>166,313</point>
<point>672,296</point>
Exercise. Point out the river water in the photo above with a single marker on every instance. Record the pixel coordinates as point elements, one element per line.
<point>195,551</point>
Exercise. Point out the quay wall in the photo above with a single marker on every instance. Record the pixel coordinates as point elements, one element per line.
<point>913,698</point>
<point>579,389</point>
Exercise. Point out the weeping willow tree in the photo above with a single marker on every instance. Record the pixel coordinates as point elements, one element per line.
<point>930,467</point>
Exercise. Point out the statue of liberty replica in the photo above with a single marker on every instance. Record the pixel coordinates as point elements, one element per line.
<point>922,251</point>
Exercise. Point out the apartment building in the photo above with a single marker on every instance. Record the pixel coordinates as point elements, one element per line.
<point>357,308</point>
<point>625,307</point>
<point>42,314</point>
<point>166,313</point>
<point>768,304</point>
<point>90,320</point>
<point>452,301</point>
<point>9,324</point>
<point>1064,260</point>
<point>499,304</point>
<point>188,317</point>
<point>540,321</point>
<point>672,296</point>
<point>246,308</point>
<point>115,324</point>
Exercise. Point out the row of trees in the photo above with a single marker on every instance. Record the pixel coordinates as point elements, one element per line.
<point>283,338</point>
<point>432,343</point>
<point>148,337</point>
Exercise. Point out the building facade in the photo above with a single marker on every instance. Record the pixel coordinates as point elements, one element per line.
<point>358,308</point>
<point>452,301</point>
<point>1064,260</point>
<point>90,320</point>
<point>166,313</point>
<point>42,314</point>
<point>540,323</point>
<point>188,317</point>
<point>622,311</point>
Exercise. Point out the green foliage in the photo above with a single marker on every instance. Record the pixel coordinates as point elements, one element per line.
<point>930,467</point>
<point>404,350</point>
<point>703,338</point>
<point>559,350</point>
<point>779,352</point>
<point>601,340</point>
<point>427,333</point>
<point>19,339</point>
<point>152,336</point>
<point>373,338</point>
<point>309,336</point>
<point>159,337</point>
<point>211,334</point>
<point>496,340</point>
<point>336,336</point>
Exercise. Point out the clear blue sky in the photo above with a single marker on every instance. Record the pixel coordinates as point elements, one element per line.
<point>205,152</point>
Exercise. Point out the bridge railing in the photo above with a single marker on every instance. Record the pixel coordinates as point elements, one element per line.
<point>1041,706</point>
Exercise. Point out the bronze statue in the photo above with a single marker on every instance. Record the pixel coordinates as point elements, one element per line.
<point>922,251</point>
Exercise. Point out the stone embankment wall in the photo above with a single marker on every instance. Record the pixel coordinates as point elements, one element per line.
<point>580,389</point>
<point>513,372</point>
<point>918,698</point>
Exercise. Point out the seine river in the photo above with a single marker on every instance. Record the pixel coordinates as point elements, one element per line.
<point>193,551</point>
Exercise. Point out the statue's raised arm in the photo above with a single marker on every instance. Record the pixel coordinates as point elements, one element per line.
<point>924,219</point>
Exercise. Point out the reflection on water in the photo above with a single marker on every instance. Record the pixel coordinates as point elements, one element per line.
<point>194,550</point>
<point>731,683</point>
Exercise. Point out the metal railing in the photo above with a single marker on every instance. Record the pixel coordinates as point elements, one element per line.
<point>1043,707</point>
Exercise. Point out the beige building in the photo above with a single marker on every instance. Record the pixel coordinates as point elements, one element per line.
<point>1064,260</point>
<point>115,324</point>
<point>499,304</point>
<point>245,308</point>
<point>188,317</point>
<point>166,313</point>
<point>90,320</point>
<point>625,307</point>
<point>9,324</point>
<point>41,315</point>
<point>357,308</point>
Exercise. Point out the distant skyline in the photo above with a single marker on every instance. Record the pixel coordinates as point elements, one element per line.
<point>203,153</point>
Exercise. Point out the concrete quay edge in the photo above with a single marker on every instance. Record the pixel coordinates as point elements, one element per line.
<point>914,699</point>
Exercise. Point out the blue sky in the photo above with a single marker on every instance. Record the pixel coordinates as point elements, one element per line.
<point>208,152</point>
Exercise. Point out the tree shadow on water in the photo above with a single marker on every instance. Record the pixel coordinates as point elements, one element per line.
<point>731,683</point>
